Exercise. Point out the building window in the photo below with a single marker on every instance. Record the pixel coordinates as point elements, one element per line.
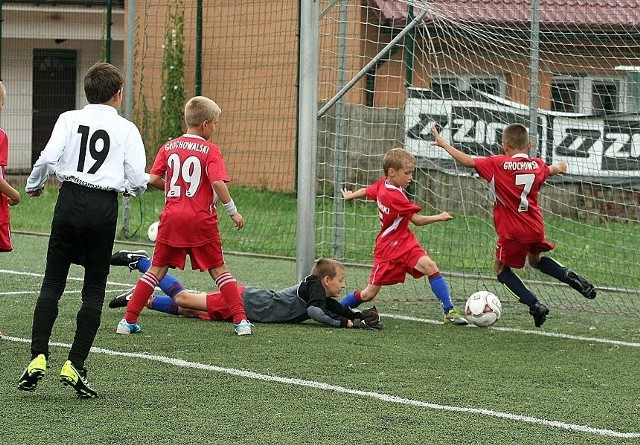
<point>564,96</point>
<point>587,95</point>
<point>486,85</point>
<point>604,96</point>
<point>446,86</point>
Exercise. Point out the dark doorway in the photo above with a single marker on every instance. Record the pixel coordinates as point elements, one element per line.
<point>54,91</point>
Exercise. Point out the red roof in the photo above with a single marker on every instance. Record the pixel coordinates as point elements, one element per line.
<point>554,14</point>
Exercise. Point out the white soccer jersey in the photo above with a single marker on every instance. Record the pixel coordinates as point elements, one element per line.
<point>94,147</point>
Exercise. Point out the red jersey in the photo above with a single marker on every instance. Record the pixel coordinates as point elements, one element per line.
<point>189,164</point>
<point>4,155</point>
<point>395,211</point>
<point>515,183</point>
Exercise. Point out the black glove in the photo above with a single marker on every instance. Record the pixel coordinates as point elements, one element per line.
<point>371,318</point>
<point>360,323</point>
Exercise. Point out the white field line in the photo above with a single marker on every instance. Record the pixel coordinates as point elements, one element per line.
<point>522,331</point>
<point>35,292</point>
<point>385,315</point>
<point>39,275</point>
<point>355,392</point>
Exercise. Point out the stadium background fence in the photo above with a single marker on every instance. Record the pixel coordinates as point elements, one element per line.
<point>314,93</point>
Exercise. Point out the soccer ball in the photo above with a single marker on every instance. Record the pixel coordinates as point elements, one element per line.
<point>152,232</point>
<point>483,308</point>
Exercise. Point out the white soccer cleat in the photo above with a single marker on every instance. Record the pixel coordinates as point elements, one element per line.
<point>243,328</point>
<point>126,328</point>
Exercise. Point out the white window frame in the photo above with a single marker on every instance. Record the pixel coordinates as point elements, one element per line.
<point>463,82</point>
<point>585,91</point>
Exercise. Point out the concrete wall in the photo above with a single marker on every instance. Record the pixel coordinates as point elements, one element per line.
<point>29,27</point>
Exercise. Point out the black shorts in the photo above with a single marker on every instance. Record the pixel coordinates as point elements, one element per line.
<point>84,226</point>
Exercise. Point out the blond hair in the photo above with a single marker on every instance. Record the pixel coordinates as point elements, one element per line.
<point>199,109</point>
<point>326,267</point>
<point>397,158</point>
<point>516,137</point>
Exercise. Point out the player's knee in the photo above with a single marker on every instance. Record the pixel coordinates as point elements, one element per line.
<point>503,274</point>
<point>188,313</point>
<point>91,311</point>
<point>180,299</point>
<point>534,260</point>
<point>427,266</point>
<point>498,267</point>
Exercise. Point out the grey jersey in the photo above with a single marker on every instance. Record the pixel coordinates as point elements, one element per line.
<point>268,306</point>
<point>295,304</point>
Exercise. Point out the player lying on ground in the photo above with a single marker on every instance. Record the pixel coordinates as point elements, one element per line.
<point>310,299</point>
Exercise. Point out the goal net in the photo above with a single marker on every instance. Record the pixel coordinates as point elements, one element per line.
<point>388,71</point>
<point>472,67</point>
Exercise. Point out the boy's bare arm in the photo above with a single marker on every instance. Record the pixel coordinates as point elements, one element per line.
<point>358,194</point>
<point>12,194</point>
<point>220,187</point>
<point>459,156</point>
<point>423,220</point>
<point>156,182</point>
<point>558,168</point>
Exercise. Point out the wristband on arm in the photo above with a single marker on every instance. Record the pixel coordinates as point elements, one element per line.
<point>230,208</point>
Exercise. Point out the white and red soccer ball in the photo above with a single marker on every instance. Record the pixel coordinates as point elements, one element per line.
<point>483,309</point>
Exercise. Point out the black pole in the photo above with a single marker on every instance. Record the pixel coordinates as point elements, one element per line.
<point>409,57</point>
<point>107,50</point>
<point>198,80</point>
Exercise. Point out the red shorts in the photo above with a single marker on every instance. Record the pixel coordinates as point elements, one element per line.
<point>217,308</point>
<point>202,258</point>
<point>385,273</point>
<point>5,237</point>
<point>513,253</point>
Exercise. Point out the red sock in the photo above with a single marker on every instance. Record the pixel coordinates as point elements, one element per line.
<point>141,294</point>
<point>231,294</point>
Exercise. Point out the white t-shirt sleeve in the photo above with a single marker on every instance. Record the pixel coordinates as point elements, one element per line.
<point>135,161</point>
<point>48,159</point>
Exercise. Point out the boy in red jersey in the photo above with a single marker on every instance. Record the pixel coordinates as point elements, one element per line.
<point>516,181</point>
<point>192,173</point>
<point>8,195</point>
<point>397,250</point>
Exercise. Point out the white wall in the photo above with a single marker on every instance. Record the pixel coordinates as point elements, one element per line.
<point>26,28</point>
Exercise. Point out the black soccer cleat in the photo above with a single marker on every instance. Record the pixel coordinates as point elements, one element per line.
<point>128,258</point>
<point>122,299</point>
<point>580,284</point>
<point>33,373</point>
<point>77,379</point>
<point>539,313</point>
